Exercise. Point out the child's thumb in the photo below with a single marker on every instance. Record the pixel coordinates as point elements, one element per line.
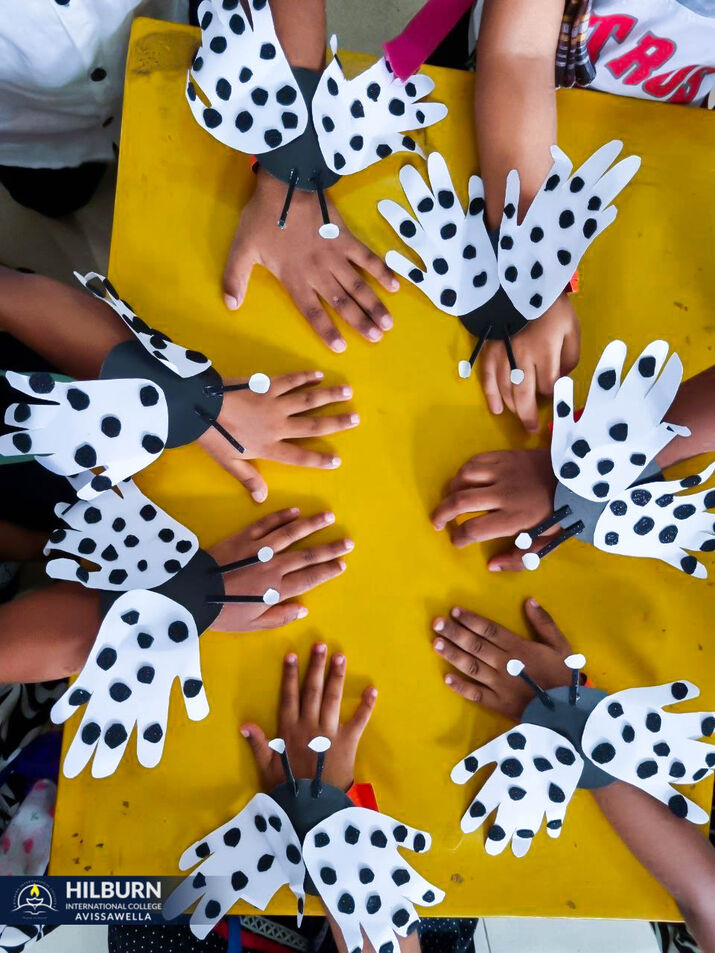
<point>545,628</point>
<point>237,273</point>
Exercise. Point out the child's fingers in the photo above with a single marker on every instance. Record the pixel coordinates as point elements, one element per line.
<point>362,293</point>
<point>333,696</point>
<point>241,258</point>
<point>473,500</point>
<point>258,742</point>
<point>480,529</point>
<point>363,713</point>
<point>478,637</point>
<point>289,382</point>
<point>272,522</point>
<point>490,384</point>
<point>366,259</point>
<point>297,529</point>
<point>297,583</point>
<point>310,399</point>
<point>474,668</point>
<point>294,560</point>
<point>545,628</point>
<point>472,691</point>
<point>290,692</point>
<point>510,561</point>
<point>247,474</point>
<point>291,453</point>
<point>338,297</point>
<point>312,695</point>
<point>280,615</point>
<point>301,427</point>
<point>525,405</point>
<point>308,303</point>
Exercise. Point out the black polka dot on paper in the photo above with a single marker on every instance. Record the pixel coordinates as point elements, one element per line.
<point>109,553</point>
<point>646,769</point>
<point>536,234</point>
<point>516,793</point>
<point>563,256</point>
<point>239,881</point>
<point>373,91</point>
<point>268,51</point>
<point>644,525</point>
<point>203,849</point>
<point>98,74</point>
<point>408,229</point>
<point>477,809</point>
<point>611,539</point>
<point>142,565</point>
<point>511,273</point>
<point>272,138</point>
<point>638,459</point>
<point>566,218</point>
<point>480,280</point>
<point>605,466</point>
<point>506,242</point>
<point>537,270</point>
<point>419,843</point>
<point>79,696</point>
<point>87,546</point>
<point>82,574</point>
<point>245,74</point>
<point>396,107</point>
<point>589,227</point>
<point>115,736</point>
<point>615,709</point>
<point>511,767</point>
<point>212,118</point>
<point>22,442</point>
<point>668,534</point>
<point>237,24</point>
<point>346,904</point>
<point>106,658</point>
<point>556,794</point>
<point>409,143</point>
<point>562,409</point>
<point>22,412</point>
<point>90,733</point>
<point>293,854</point>
<point>328,875</point>
<point>148,395</point>
<point>383,150</point>
<point>688,564</point>
<point>321,839</point>
<point>178,631</point>
<point>496,833</point>
<point>400,917</point>
<point>223,91</point>
<point>415,275</point>
<point>377,839</point>
<point>628,733</point>
<point>576,184</point>
<point>603,753</point>
<point>232,836</point>
<point>580,447</point>
<point>641,497</point>
<point>146,674</point>
<point>661,749</point>
<point>565,755</point>
<point>707,726</point>
<point>192,687</point>
<point>552,182</point>
<point>440,266</point>
<point>85,456</point>
<point>448,231</point>
<point>212,910</point>
<point>594,203</point>
<point>653,721</point>
<point>120,692</point>
<point>476,206</point>
<point>117,577</point>
<point>516,741</point>
<point>569,470</point>
<point>356,143</point>
<point>678,805</point>
<point>333,87</point>
<point>469,253</point>
<point>448,298</point>
<point>76,398</point>
<point>690,481</point>
<point>100,483</point>
<point>366,875</point>
<point>41,382</point>
<point>265,863</point>
<point>618,432</point>
<point>373,903</point>
<point>684,511</point>
<point>445,198</point>
<point>206,20</point>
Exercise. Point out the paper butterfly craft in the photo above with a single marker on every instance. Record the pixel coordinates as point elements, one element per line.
<point>307,128</point>
<point>609,492</point>
<point>583,738</point>
<point>152,394</point>
<point>308,834</point>
<point>496,282</point>
<point>149,637</point>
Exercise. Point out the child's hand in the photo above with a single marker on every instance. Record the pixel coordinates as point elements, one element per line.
<point>513,488</point>
<point>310,268</point>
<point>314,712</point>
<point>289,573</point>
<point>480,649</point>
<point>266,424</point>
<point>545,350</point>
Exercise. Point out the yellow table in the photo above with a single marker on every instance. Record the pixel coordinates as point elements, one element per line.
<point>638,622</point>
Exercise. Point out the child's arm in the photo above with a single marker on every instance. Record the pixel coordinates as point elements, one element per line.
<point>693,407</point>
<point>314,272</point>
<point>672,850</point>
<point>47,634</point>
<point>75,331</point>
<point>515,109</point>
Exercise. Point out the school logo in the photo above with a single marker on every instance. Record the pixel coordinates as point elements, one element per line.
<point>34,900</point>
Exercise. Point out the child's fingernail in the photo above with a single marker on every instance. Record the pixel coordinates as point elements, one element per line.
<point>494,567</point>
<point>294,510</point>
<point>374,334</point>
<point>456,613</point>
<point>245,732</point>
<point>230,302</point>
<point>328,517</point>
<point>438,645</point>
<point>386,322</point>
<point>448,679</point>
<point>339,661</point>
<point>394,285</point>
<point>321,648</point>
<point>343,565</point>
<point>259,495</point>
<point>339,346</point>
<point>349,544</point>
<point>318,375</point>
<point>354,419</point>
<point>438,625</point>
<point>532,602</point>
<point>292,658</point>
<point>372,692</point>
<point>346,392</point>
<point>302,613</point>
<point>335,462</point>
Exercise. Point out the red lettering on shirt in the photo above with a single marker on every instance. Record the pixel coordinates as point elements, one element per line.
<point>650,53</point>
<point>616,25</point>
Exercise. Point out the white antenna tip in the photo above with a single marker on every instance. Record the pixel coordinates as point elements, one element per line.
<point>514,667</point>
<point>334,43</point>
<point>271,597</point>
<point>329,230</point>
<point>278,745</point>
<point>259,383</point>
<point>531,561</point>
<point>575,662</point>
<point>464,369</point>
<point>319,744</point>
<point>523,541</point>
<point>517,376</point>
<point>265,554</point>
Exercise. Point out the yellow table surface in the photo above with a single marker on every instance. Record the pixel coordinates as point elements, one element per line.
<point>638,622</point>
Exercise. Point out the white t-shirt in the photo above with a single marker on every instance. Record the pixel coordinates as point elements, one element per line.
<point>62,74</point>
<point>653,49</point>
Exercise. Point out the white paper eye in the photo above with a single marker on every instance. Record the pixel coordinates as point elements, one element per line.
<point>259,383</point>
